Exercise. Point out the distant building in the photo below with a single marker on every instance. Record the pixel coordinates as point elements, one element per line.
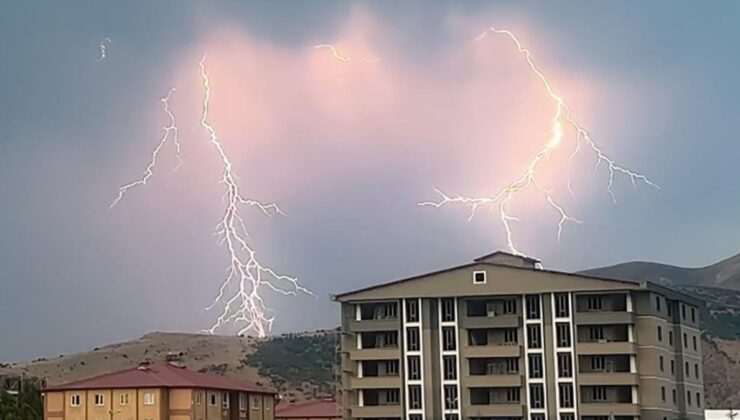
<point>326,409</point>
<point>501,338</point>
<point>158,392</point>
<point>727,414</point>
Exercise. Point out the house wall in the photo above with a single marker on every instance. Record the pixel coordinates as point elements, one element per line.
<point>125,411</point>
<point>99,411</point>
<point>54,406</point>
<point>180,403</point>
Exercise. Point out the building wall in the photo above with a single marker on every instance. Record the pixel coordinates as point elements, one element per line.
<point>180,403</point>
<point>75,412</point>
<point>54,406</point>
<point>124,404</point>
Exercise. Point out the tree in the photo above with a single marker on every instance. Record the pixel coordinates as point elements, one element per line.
<point>26,404</point>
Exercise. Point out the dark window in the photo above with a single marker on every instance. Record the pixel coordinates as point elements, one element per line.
<point>594,303</point>
<point>669,307</point>
<point>415,417</point>
<point>565,365</point>
<point>563,334</point>
<point>685,340</point>
<point>479,277</point>
<point>662,393</point>
<point>567,416</point>
<point>415,397</point>
<point>670,338</point>
<point>451,397</point>
<point>696,370</point>
<point>509,306</point>
<point>510,336</point>
<point>674,396</point>
<point>660,363</point>
<point>448,334</point>
<point>533,306</point>
<point>534,338</point>
<point>452,417</point>
<point>566,395</point>
<point>562,305</point>
<point>448,310</point>
<point>392,396</point>
<point>694,340</point>
<point>412,338</point>
<point>693,315</point>
<point>512,394</point>
<point>673,367</point>
<point>683,311</point>
<point>598,393</point>
<point>596,333</point>
<point>688,398</point>
<point>660,333</point>
<point>687,369</point>
<point>512,365</point>
<point>657,303</point>
<point>698,399</point>
<point>536,398</point>
<point>412,310</point>
<point>414,368</point>
<point>597,363</point>
<point>535,365</point>
<point>536,416</point>
<point>450,363</point>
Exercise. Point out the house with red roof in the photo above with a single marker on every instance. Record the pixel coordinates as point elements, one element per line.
<point>158,392</point>
<point>324,409</point>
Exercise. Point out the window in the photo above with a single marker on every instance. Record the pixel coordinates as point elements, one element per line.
<point>687,369</point>
<point>567,416</point>
<point>448,310</point>
<point>412,338</point>
<point>562,306</point>
<point>123,399</point>
<point>450,364</point>
<point>597,363</point>
<point>662,393</point>
<point>512,365</point>
<point>534,339</point>
<point>660,333</point>
<point>674,396</point>
<point>99,399</point>
<point>683,311</point>
<point>536,416</point>
<point>693,315</point>
<point>685,340</point>
<point>509,307</point>
<point>412,310</point>
<point>414,369</point>
<point>415,397</point>
<point>74,401</point>
<point>535,365</point>
<point>673,367</point>
<point>451,397</point>
<point>694,340</point>
<point>512,394</point>
<point>536,398</point>
<point>391,368</point>
<point>670,338</point>
<point>657,303</point>
<point>565,365</point>
<point>533,307</point>
<point>598,393</point>
<point>669,307</point>
<point>452,417</point>
<point>696,370</point>
<point>594,303</point>
<point>596,333</point>
<point>415,417</point>
<point>256,402</point>
<point>448,334</point>
<point>698,399</point>
<point>563,334</point>
<point>510,336</point>
<point>243,401</point>
<point>479,277</point>
<point>149,398</point>
<point>225,400</point>
<point>660,363</point>
<point>392,396</point>
<point>566,395</point>
<point>688,398</point>
<point>212,399</point>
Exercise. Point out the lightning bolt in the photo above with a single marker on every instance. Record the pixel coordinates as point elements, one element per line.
<point>104,48</point>
<point>528,179</point>
<point>169,132</point>
<point>335,52</point>
<point>245,306</point>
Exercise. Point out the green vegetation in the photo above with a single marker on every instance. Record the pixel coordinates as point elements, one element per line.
<point>295,359</point>
<point>25,405</point>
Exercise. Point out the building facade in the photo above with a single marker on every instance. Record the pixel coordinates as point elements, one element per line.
<point>501,338</point>
<point>158,392</point>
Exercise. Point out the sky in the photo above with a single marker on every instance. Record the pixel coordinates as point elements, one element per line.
<point>347,149</point>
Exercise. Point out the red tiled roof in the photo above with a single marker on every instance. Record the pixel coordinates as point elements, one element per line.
<point>159,376</point>
<point>316,409</point>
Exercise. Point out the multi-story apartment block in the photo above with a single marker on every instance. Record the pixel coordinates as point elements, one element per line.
<point>158,392</point>
<point>501,338</point>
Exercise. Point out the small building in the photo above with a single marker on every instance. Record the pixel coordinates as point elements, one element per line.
<point>324,409</point>
<point>158,392</point>
<point>723,414</point>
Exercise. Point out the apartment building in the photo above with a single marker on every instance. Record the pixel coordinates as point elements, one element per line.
<point>158,392</point>
<point>501,338</point>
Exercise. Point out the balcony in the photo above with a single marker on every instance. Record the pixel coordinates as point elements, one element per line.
<point>373,325</point>
<point>604,318</point>
<point>609,409</point>
<point>497,321</point>
<point>606,347</point>
<point>509,350</point>
<point>388,353</point>
<point>607,378</point>
<point>495,410</point>
<point>493,381</point>
<point>377,411</point>
<point>376,382</point>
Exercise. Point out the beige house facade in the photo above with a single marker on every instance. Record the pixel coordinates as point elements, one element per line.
<point>501,338</point>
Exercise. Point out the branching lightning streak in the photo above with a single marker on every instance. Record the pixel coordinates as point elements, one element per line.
<point>335,52</point>
<point>528,178</point>
<point>169,132</point>
<point>246,306</point>
<point>104,48</point>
